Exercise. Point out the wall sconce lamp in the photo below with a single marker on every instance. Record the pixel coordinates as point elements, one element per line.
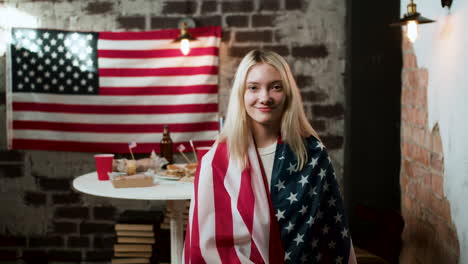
<point>411,19</point>
<point>185,37</point>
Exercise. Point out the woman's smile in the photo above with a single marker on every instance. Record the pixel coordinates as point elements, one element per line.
<point>265,109</point>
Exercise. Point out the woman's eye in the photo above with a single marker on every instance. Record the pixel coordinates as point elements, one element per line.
<point>253,88</point>
<point>277,87</point>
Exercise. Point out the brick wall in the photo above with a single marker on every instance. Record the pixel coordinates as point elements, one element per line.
<point>43,218</point>
<point>429,235</point>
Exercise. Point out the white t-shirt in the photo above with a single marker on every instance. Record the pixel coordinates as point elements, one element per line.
<point>267,155</point>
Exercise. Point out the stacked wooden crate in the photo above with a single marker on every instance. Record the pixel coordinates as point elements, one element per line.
<point>134,244</point>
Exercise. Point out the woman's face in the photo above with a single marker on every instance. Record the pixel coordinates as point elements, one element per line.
<point>264,95</point>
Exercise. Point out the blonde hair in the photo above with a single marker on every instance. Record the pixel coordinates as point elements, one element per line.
<point>294,124</point>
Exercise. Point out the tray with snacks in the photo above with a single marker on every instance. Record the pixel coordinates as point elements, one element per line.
<point>122,180</point>
<point>178,171</point>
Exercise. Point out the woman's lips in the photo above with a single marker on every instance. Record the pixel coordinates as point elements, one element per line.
<point>264,109</point>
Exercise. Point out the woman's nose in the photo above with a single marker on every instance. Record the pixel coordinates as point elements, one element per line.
<point>264,96</point>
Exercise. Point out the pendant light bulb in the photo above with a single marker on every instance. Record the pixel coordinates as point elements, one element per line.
<point>412,30</point>
<point>185,46</point>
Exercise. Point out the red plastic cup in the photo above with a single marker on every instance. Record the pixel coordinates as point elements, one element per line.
<point>103,165</point>
<point>201,151</point>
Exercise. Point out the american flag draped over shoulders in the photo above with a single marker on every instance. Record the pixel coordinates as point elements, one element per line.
<point>97,91</point>
<point>234,219</point>
<point>309,208</point>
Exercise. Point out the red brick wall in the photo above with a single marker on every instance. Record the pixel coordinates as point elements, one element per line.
<point>429,235</point>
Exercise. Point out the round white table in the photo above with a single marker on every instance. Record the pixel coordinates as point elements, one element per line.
<point>174,192</point>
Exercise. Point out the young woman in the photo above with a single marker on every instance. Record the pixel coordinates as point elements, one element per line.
<point>266,191</point>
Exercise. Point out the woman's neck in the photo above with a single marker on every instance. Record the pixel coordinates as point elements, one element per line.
<point>264,135</point>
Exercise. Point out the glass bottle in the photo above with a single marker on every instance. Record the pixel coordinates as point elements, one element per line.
<point>166,149</point>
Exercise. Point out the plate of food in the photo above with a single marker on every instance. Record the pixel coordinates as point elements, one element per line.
<point>173,172</point>
<point>168,178</point>
<point>176,172</point>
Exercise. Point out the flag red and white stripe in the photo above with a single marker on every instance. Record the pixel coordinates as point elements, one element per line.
<point>144,83</point>
<point>228,222</point>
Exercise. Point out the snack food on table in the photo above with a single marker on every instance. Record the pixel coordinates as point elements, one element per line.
<point>190,169</point>
<point>154,162</point>
<point>187,179</point>
<point>131,166</point>
<point>119,165</point>
<point>174,171</point>
<point>136,180</point>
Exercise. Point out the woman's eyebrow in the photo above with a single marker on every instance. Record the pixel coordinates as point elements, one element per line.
<point>274,81</point>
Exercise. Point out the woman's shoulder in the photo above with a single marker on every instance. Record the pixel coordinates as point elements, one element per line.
<point>312,140</point>
<point>315,145</point>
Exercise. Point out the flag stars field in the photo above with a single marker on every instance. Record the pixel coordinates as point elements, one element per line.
<point>322,173</point>
<point>339,260</point>
<point>344,233</point>
<point>304,209</point>
<point>319,214</point>
<point>299,239</point>
<point>292,198</point>
<point>325,186</point>
<point>290,227</point>
<point>314,243</point>
<point>291,168</point>
<point>318,257</point>
<point>312,191</point>
<point>304,180</point>
<point>313,162</point>
<point>280,215</point>
<point>280,185</point>
<point>338,217</point>
<point>320,145</point>
<point>325,229</point>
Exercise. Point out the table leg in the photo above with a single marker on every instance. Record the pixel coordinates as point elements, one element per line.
<point>177,208</point>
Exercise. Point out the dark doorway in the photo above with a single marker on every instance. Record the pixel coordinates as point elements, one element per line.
<point>373,89</point>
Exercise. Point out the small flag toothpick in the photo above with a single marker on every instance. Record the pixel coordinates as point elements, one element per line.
<point>193,149</point>
<point>130,146</point>
<point>181,148</point>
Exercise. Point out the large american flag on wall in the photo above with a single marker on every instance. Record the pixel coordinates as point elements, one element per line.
<point>97,91</point>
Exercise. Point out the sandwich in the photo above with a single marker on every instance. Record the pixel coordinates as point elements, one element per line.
<point>190,169</point>
<point>174,171</point>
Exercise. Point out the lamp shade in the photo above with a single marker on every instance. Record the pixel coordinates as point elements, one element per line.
<point>413,17</point>
<point>446,3</point>
<point>185,24</point>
